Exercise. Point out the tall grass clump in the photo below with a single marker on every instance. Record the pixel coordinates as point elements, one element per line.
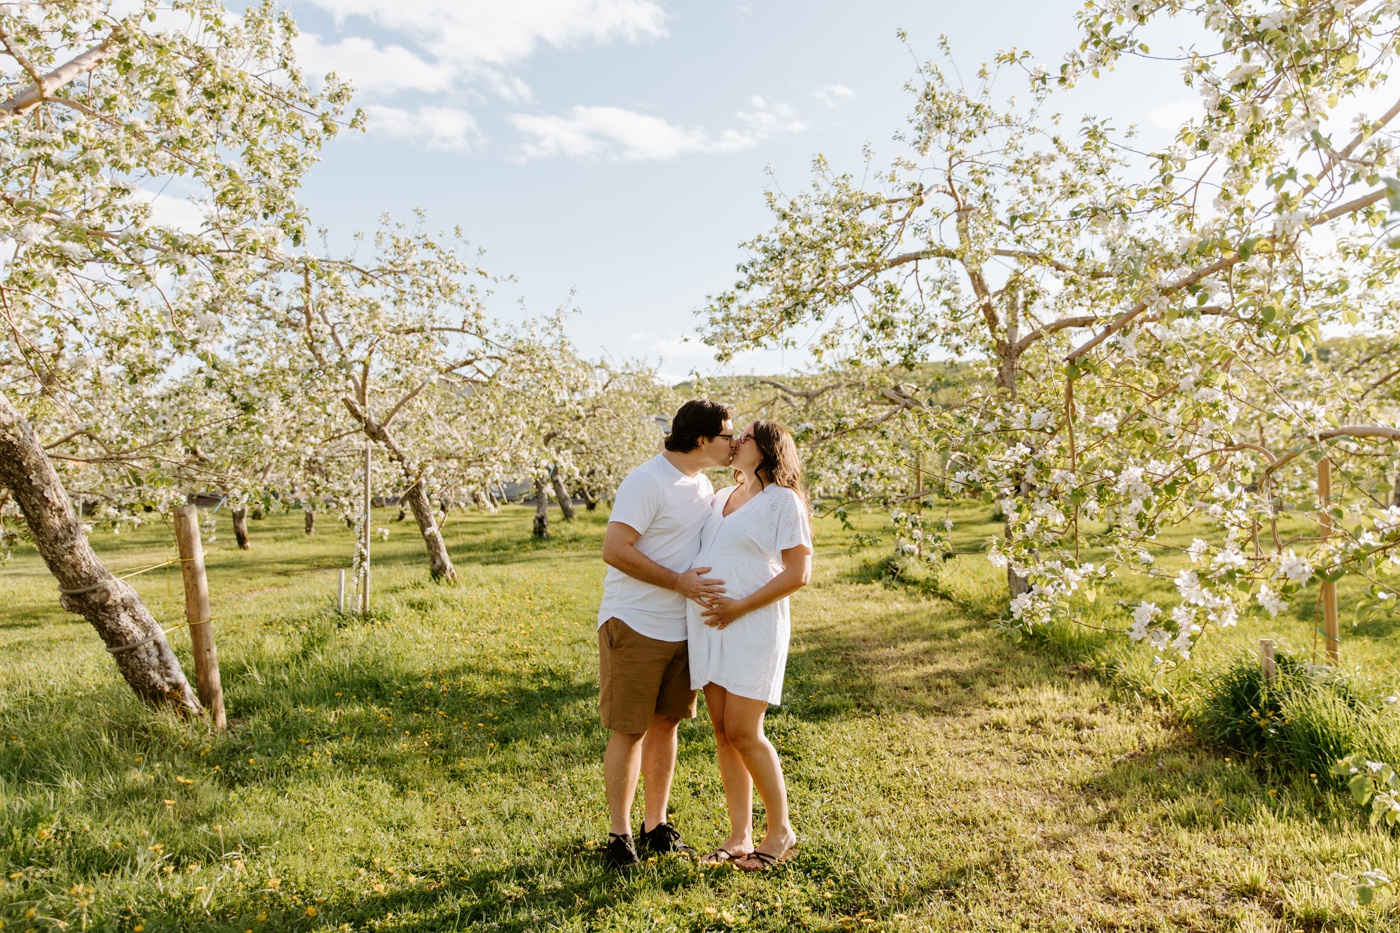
<point>1304,721</point>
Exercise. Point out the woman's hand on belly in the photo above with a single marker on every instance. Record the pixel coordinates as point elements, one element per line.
<point>721,612</point>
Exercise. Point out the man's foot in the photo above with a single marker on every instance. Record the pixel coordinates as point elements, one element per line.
<point>620,856</point>
<point>663,839</point>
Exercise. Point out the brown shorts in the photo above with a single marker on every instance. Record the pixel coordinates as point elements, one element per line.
<point>640,677</point>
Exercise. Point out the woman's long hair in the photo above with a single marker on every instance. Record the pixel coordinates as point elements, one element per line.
<point>780,463</point>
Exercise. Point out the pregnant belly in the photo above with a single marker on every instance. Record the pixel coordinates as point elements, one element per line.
<point>741,577</point>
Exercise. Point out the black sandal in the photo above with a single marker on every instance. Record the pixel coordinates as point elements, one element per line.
<point>765,860</point>
<point>721,856</point>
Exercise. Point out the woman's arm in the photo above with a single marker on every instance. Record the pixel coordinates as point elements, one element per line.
<point>797,570</point>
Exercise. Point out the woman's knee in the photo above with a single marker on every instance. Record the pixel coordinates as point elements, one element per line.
<point>745,740</point>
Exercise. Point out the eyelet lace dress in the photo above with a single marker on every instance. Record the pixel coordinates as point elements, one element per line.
<point>745,550</point>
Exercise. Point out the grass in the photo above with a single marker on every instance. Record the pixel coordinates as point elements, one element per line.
<point>437,766</point>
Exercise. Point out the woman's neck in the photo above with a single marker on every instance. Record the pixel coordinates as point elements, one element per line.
<point>755,484</point>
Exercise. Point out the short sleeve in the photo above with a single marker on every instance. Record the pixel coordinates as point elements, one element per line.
<point>637,502</point>
<point>790,525</point>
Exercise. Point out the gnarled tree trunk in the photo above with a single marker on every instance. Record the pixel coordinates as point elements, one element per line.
<point>240,528</point>
<point>541,527</point>
<point>439,563</point>
<point>590,501</point>
<point>566,502</point>
<point>310,517</point>
<point>86,586</point>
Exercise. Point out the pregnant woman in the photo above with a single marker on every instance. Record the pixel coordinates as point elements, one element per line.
<point>758,540</point>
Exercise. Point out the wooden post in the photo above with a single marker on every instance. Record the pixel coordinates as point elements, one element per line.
<point>1266,659</point>
<point>340,595</point>
<point>1331,634</point>
<point>364,568</point>
<point>919,500</point>
<point>206,659</point>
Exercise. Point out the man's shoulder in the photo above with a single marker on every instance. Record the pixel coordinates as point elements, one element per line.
<point>643,472</point>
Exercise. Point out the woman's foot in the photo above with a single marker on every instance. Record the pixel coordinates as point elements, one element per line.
<point>777,846</point>
<point>731,850</point>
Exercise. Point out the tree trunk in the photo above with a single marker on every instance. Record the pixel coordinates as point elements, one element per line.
<point>590,501</point>
<point>110,605</point>
<point>310,517</point>
<point>403,512</point>
<point>484,503</point>
<point>445,507</point>
<point>240,528</point>
<point>566,502</point>
<point>439,563</point>
<point>541,528</point>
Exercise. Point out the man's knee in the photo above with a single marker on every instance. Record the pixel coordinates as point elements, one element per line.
<point>626,738</point>
<point>660,723</point>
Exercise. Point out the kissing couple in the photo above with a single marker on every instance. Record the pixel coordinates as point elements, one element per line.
<point>696,598</point>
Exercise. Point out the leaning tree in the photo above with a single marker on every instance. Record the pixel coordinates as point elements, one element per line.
<point>102,105</point>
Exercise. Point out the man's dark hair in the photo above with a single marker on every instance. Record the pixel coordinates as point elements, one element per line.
<point>697,418</point>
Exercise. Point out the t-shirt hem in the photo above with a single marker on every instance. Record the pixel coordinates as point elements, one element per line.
<point>642,626</point>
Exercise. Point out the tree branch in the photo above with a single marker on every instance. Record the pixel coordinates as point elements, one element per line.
<point>35,94</point>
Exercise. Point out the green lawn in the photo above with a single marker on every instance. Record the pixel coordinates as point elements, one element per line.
<point>437,767</point>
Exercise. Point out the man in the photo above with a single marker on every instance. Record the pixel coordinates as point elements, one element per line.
<point>652,539</point>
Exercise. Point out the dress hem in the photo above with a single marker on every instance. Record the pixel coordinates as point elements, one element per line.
<point>744,692</point>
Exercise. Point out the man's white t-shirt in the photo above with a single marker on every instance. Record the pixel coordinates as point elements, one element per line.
<point>668,509</point>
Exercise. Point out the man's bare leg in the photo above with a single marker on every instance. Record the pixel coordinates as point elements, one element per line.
<point>622,762</point>
<point>658,760</point>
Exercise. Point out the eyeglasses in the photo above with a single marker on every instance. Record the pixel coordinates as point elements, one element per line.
<point>741,437</point>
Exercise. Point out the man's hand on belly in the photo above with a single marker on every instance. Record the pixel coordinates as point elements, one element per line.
<point>693,584</point>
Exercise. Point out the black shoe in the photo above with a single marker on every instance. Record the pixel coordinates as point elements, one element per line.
<point>663,839</point>
<point>620,856</point>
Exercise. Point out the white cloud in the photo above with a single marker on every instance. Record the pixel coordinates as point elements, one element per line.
<point>833,95</point>
<point>167,210</point>
<point>433,127</point>
<point>616,133</point>
<point>480,38</point>
<point>1171,115</point>
<point>375,70</point>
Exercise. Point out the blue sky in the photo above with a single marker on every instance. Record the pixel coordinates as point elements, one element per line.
<point>617,148</point>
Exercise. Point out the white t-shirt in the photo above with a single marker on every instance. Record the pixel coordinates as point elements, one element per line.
<point>668,509</point>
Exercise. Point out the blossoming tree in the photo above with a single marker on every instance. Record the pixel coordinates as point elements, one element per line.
<point>101,104</point>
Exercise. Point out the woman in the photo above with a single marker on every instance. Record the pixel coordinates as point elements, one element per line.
<point>758,540</point>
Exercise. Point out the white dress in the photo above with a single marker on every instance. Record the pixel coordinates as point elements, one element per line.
<point>745,550</point>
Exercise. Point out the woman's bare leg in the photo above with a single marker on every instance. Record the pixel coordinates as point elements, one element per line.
<point>738,786</point>
<point>743,726</point>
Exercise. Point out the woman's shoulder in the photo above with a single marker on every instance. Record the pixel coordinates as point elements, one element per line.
<point>781,493</point>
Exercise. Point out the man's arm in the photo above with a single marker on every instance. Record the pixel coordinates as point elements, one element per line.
<point>620,551</point>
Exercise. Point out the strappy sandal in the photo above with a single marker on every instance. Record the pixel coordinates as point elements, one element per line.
<point>722,856</point>
<point>764,860</point>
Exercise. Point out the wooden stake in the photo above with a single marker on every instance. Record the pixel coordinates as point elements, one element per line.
<point>1331,634</point>
<point>919,492</point>
<point>364,569</point>
<point>206,658</point>
<point>340,595</point>
<point>1266,659</point>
